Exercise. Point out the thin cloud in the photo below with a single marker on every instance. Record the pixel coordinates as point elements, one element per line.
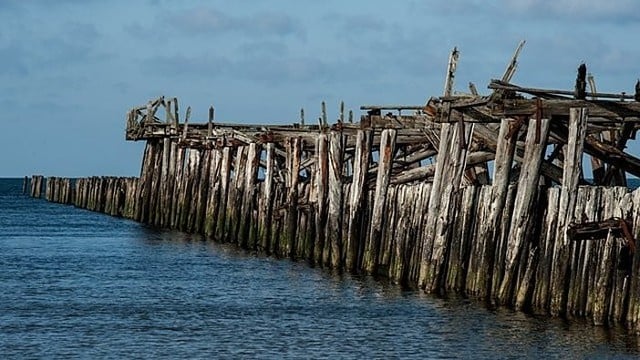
<point>592,10</point>
<point>355,24</point>
<point>264,68</point>
<point>25,53</point>
<point>207,21</point>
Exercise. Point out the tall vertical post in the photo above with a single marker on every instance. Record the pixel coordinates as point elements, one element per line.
<point>372,248</point>
<point>524,205</point>
<point>569,192</point>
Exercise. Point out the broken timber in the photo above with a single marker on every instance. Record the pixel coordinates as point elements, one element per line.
<point>406,192</point>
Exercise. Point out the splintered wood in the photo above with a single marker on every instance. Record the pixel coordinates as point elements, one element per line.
<point>483,195</point>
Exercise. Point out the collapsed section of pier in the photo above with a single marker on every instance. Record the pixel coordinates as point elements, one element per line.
<point>483,195</point>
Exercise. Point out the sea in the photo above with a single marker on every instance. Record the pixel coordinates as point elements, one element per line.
<point>76,284</point>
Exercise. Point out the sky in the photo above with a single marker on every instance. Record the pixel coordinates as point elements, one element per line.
<point>71,69</point>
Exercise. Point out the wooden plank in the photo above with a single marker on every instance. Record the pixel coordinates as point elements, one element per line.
<point>484,133</point>
<point>561,107</point>
<point>428,171</point>
<point>552,93</point>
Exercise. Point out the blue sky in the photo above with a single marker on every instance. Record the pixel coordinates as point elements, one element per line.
<point>71,69</point>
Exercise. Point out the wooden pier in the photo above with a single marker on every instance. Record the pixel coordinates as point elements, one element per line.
<point>478,195</point>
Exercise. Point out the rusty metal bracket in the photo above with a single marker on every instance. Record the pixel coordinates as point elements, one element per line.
<point>593,230</point>
<point>600,230</point>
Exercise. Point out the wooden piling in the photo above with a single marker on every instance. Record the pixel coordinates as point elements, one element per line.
<point>266,201</point>
<point>490,228</point>
<point>372,247</point>
<point>335,196</point>
<point>213,197</point>
<point>294,151</point>
<point>357,198</point>
<point>568,196</point>
<point>248,218</point>
<point>321,196</point>
<point>524,206</point>
<point>236,188</point>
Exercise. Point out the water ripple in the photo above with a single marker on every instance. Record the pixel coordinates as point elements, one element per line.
<point>76,284</point>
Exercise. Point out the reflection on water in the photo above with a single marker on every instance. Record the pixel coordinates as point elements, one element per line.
<point>76,283</point>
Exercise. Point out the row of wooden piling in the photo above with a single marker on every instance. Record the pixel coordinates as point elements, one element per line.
<point>503,243</point>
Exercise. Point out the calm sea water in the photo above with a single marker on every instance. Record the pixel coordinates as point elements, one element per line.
<point>77,284</point>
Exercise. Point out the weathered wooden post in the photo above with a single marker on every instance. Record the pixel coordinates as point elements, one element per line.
<point>427,278</point>
<point>507,138</point>
<point>223,216</point>
<point>357,198</point>
<point>201,188</point>
<point>210,123</point>
<point>248,221</point>
<point>335,216</point>
<point>213,193</point>
<point>569,192</point>
<point>234,202</point>
<point>266,200</point>
<point>524,205</point>
<point>372,247</point>
<point>322,189</point>
<point>294,152</point>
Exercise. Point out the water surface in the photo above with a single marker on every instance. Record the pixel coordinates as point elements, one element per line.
<point>82,284</point>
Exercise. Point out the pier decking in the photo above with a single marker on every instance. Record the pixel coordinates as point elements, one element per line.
<point>479,195</point>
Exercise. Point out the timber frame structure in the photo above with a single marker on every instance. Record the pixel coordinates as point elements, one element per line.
<point>613,119</point>
<point>483,195</point>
